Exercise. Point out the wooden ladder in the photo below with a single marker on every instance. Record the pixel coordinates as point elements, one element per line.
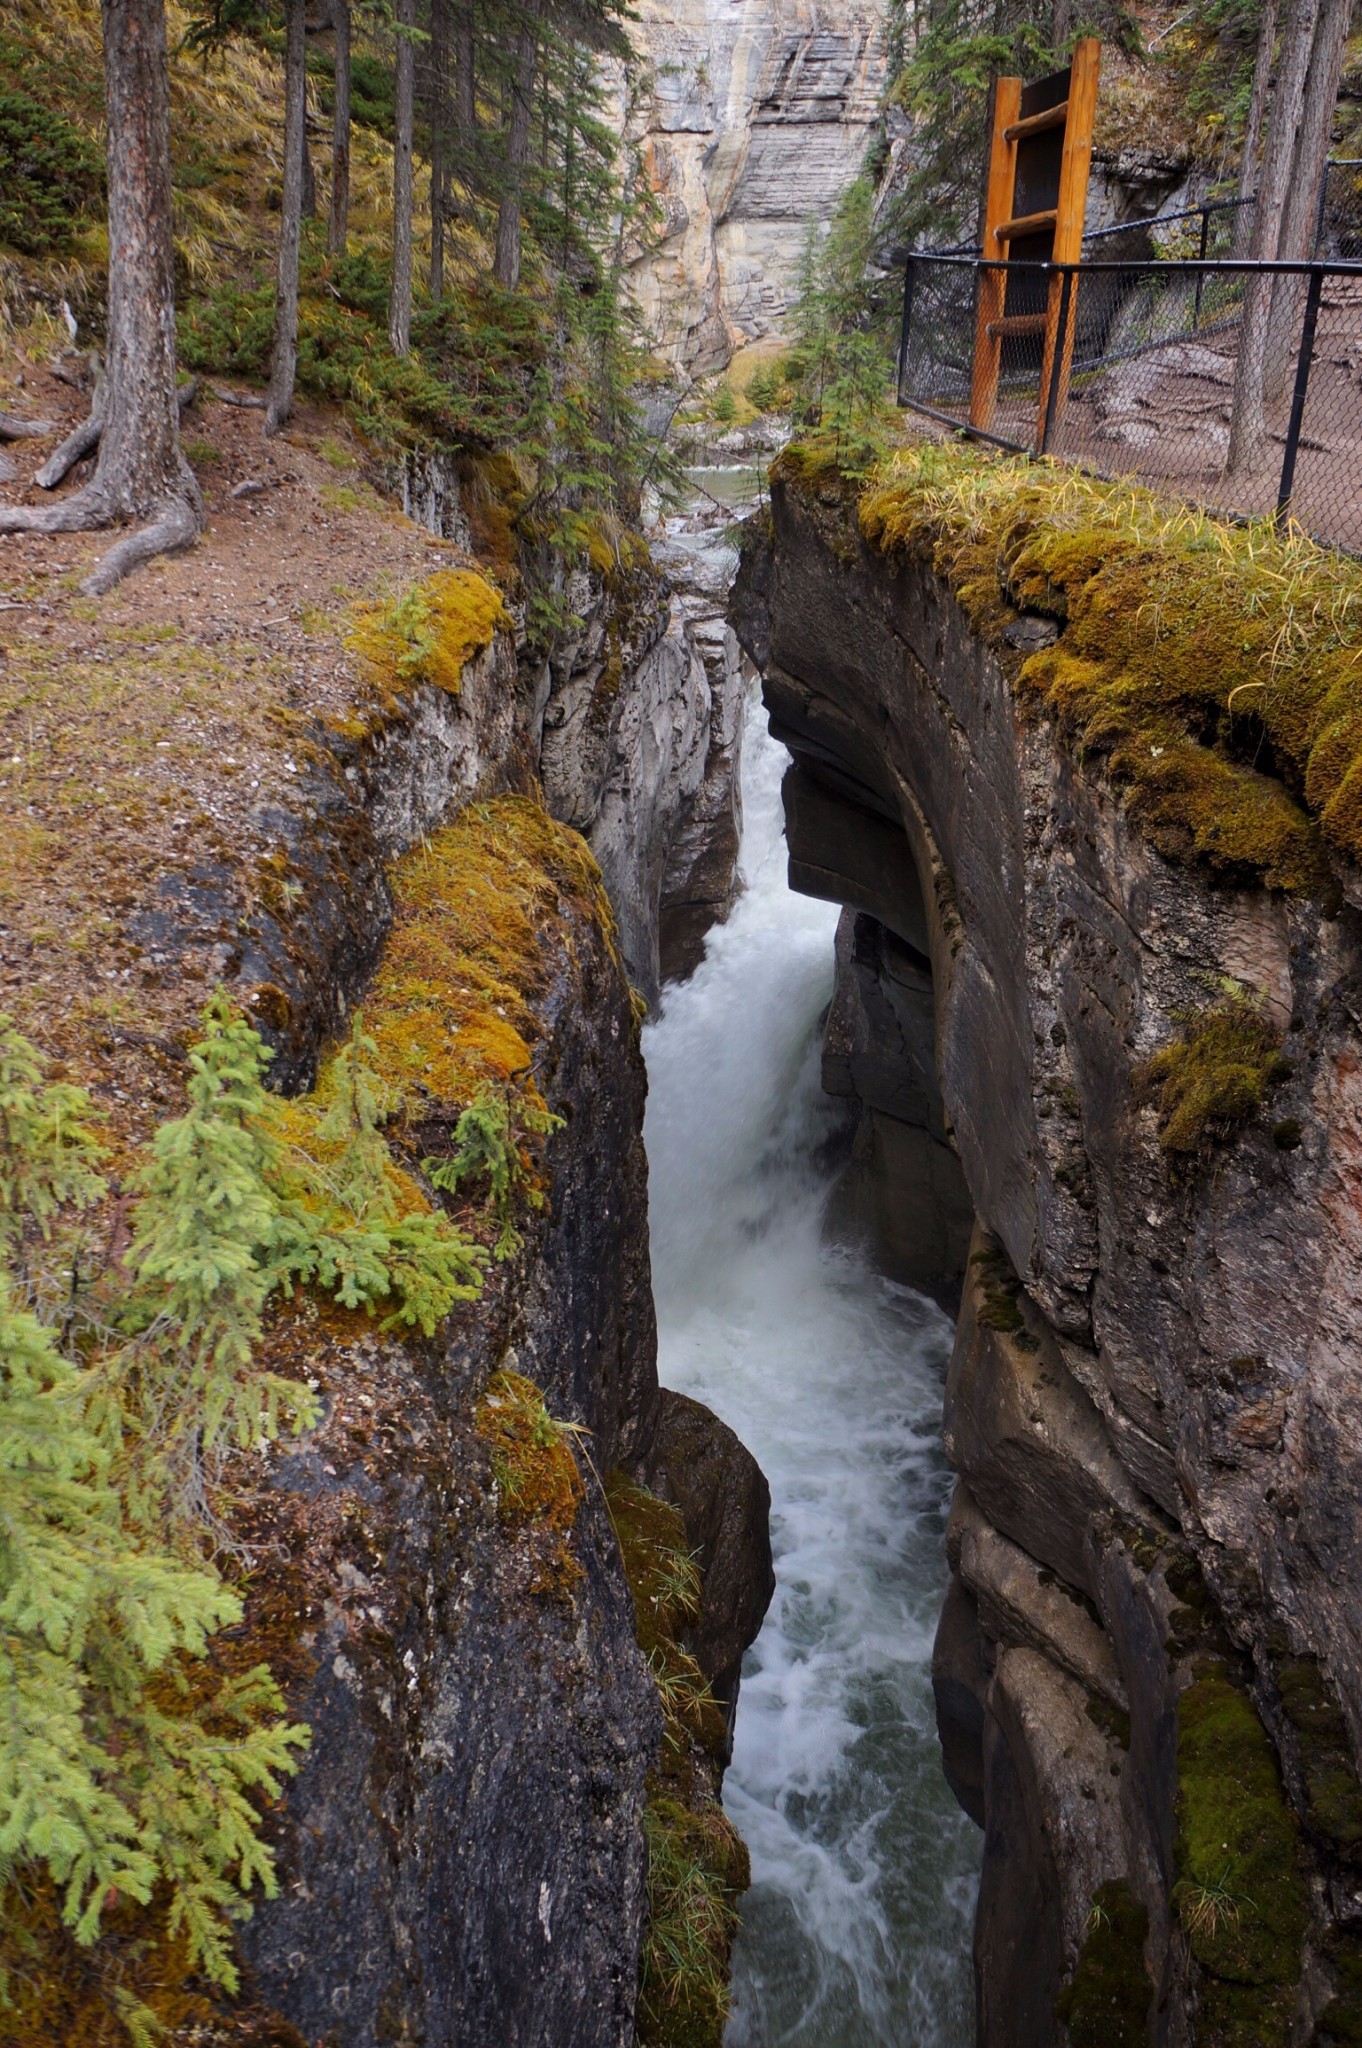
<point>1011,133</point>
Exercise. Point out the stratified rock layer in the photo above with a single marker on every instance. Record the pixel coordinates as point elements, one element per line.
<point>1155,1400</point>
<point>752,121</point>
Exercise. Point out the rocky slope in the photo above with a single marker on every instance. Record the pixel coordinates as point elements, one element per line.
<point>751,122</point>
<point>1149,1668</point>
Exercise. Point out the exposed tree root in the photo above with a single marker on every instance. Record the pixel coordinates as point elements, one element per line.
<point>87,436</point>
<point>12,429</point>
<point>80,513</point>
<point>68,453</point>
<point>176,525</point>
<point>256,399</point>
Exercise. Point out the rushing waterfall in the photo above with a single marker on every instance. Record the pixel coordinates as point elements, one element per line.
<point>857,1927</point>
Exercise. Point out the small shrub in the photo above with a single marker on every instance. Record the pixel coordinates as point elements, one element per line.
<point>725,405</point>
<point>486,1148</point>
<point>764,388</point>
<point>49,175</point>
<point>126,1769</point>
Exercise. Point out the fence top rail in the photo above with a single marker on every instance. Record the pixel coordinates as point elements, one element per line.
<point>1160,220</point>
<point>1156,266</point>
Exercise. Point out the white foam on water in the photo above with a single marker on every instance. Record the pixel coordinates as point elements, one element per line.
<point>856,1933</point>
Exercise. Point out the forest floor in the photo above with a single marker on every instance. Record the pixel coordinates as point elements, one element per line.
<point>162,725</point>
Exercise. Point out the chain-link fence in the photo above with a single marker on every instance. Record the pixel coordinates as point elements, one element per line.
<point>1339,236</point>
<point>1234,384</point>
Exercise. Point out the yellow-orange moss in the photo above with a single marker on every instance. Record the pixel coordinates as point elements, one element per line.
<point>428,633</point>
<point>539,1487</point>
<point>451,1009</point>
<point>1215,668</point>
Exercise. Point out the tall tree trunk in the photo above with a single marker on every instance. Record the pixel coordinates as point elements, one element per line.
<point>1257,107</point>
<point>399,305</point>
<point>1300,215</point>
<point>338,227</point>
<point>465,93</point>
<point>439,122</point>
<point>1248,419</point>
<point>1300,218</point>
<point>141,472</point>
<point>284,362</point>
<point>465,78</point>
<point>506,265</point>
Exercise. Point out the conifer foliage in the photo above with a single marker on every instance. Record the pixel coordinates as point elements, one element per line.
<point>130,1767</point>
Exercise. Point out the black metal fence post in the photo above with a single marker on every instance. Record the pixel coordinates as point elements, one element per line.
<point>1059,360</point>
<point>1200,276</point>
<point>1303,361</point>
<point>909,272</point>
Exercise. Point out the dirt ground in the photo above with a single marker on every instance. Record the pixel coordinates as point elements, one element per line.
<point>165,721</point>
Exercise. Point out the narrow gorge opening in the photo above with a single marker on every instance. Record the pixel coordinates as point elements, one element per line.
<point>856,1931</point>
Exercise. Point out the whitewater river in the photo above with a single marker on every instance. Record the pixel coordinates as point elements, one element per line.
<point>856,1932</point>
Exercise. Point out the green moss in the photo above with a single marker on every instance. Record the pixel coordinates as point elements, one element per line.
<point>1240,1893</point>
<point>1340,2024</point>
<point>1242,2015</point>
<point>998,1296</point>
<point>539,1487</point>
<point>1106,2002</point>
<point>1215,670</point>
<point>1214,1078</point>
<point>1334,1796</point>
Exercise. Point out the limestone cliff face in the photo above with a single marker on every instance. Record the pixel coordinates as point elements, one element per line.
<point>461,1857</point>
<point>751,122</point>
<point>1154,1404</point>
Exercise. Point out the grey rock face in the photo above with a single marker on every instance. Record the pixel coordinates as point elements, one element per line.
<point>698,1463</point>
<point>461,1856</point>
<point>638,726</point>
<point>1155,1400</point>
<point>751,123</point>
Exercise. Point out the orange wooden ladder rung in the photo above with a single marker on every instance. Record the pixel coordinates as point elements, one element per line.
<point>1037,124</point>
<point>1018,323</point>
<point>1026,224</point>
<point>1074,164</point>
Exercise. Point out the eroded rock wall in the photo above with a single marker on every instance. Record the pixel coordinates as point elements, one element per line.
<point>633,724</point>
<point>1154,1402</point>
<point>751,122</point>
<point>461,1857</point>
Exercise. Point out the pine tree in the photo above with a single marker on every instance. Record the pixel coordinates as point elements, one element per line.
<point>210,1242</point>
<point>116,1776</point>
